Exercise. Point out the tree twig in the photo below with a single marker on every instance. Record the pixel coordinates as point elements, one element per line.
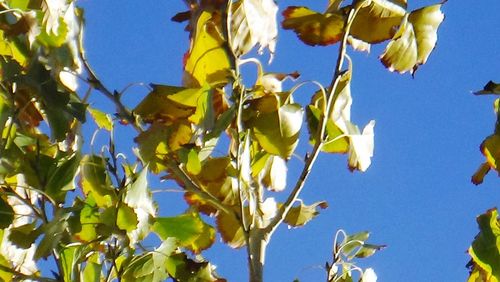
<point>311,158</point>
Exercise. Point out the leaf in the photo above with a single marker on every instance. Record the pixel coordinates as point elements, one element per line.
<point>274,174</point>
<point>481,172</point>
<point>414,41</point>
<point>168,103</point>
<point>230,230</point>
<point>102,119</point>
<point>126,219</point>
<point>253,22</point>
<point>302,214</point>
<point>207,61</point>
<point>24,236</point>
<point>335,142</point>
<point>88,219</point>
<point>314,28</point>
<point>490,88</point>
<point>92,272</point>
<point>138,197</point>
<point>153,146</point>
<point>353,242</point>
<point>95,180</point>
<point>7,214</point>
<point>378,21</point>
<point>53,233</point>
<point>485,249</point>
<point>361,146</point>
<point>368,250</point>
<point>491,150</point>
<point>193,164</point>
<point>181,268</point>
<point>191,232</point>
<point>62,179</point>
<point>5,276</point>
<point>278,132</point>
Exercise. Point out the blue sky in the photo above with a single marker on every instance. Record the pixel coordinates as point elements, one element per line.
<point>416,197</point>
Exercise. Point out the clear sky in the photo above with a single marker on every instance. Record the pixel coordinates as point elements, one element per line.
<point>416,197</point>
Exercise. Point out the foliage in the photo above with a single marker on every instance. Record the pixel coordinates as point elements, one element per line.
<point>91,212</point>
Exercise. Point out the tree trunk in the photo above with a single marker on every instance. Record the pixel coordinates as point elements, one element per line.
<point>256,250</point>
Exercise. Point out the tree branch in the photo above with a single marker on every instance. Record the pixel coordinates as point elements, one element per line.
<point>311,158</point>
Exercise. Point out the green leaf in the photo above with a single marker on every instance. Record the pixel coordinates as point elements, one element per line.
<point>278,132</point>
<point>353,242</point>
<point>485,249</point>
<point>92,272</point>
<point>62,179</point>
<point>314,28</point>
<point>368,250</point>
<point>95,180</point>
<point>25,235</point>
<point>84,229</point>
<point>5,276</point>
<point>191,232</point>
<point>7,214</point>
<point>53,233</point>
<point>102,119</point>
<point>414,41</point>
<point>153,147</point>
<point>302,214</point>
<point>68,261</point>
<point>126,219</point>
<point>193,164</point>
<point>335,143</point>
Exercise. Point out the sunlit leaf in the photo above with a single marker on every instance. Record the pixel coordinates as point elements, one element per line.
<point>230,230</point>
<point>314,28</point>
<point>88,219</point>
<point>414,41</point>
<point>301,214</point>
<point>274,174</point>
<point>253,22</point>
<point>207,61</point>
<point>126,219</point>
<point>92,272</point>
<point>485,249</point>
<point>191,232</point>
<point>361,146</point>
<point>5,276</point>
<point>193,164</point>
<point>102,119</point>
<point>153,146</point>
<point>139,198</point>
<point>336,142</point>
<point>368,250</point>
<point>278,132</point>
<point>378,21</point>
<point>168,103</point>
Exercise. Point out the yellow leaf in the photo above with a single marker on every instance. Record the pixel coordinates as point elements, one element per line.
<point>414,41</point>
<point>378,21</point>
<point>207,61</point>
<point>314,28</point>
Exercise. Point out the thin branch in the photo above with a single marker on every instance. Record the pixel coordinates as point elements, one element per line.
<point>94,81</point>
<point>26,276</point>
<point>311,159</point>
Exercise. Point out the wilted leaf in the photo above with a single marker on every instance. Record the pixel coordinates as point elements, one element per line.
<point>191,232</point>
<point>278,132</point>
<point>253,22</point>
<point>485,249</point>
<point>481,172</point>
<point>490,88</point>
<point>302,214</point>
<point>207,61</point>
<point>414,41</point>
<point>314,28</point>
